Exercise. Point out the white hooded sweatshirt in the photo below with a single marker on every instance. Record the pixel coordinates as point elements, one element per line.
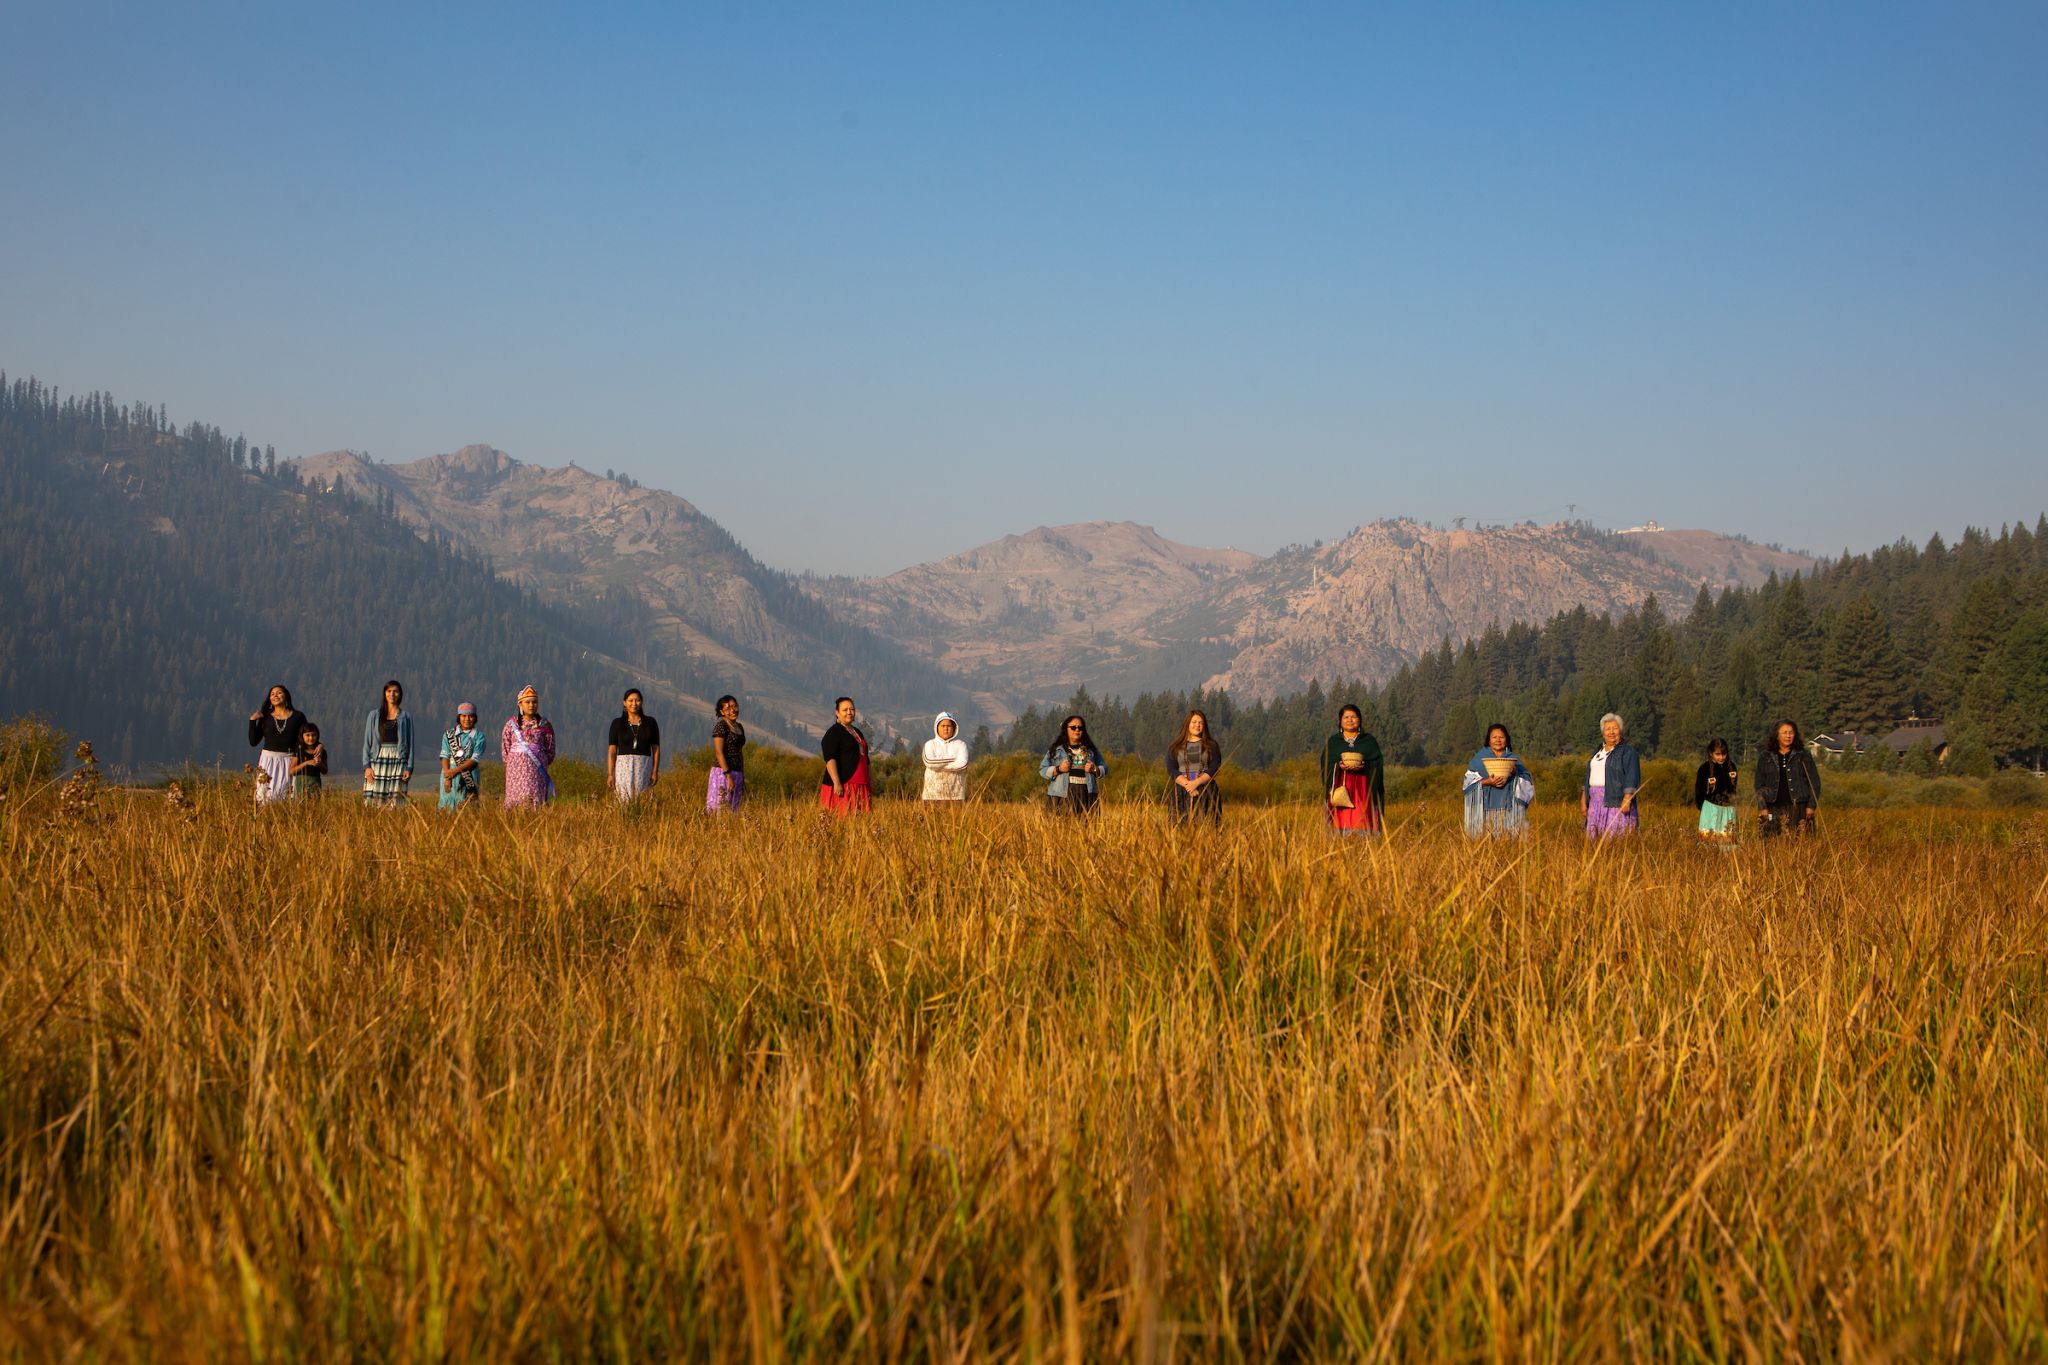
<point>945,763</point>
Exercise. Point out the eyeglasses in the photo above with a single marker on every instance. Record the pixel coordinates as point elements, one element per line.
<point>1072,728</point>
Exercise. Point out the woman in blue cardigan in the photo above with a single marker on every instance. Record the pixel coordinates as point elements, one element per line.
<point>387,750</point>
<point>1612,780</point>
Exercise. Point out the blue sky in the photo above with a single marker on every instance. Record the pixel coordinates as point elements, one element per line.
<point>1252,274</point>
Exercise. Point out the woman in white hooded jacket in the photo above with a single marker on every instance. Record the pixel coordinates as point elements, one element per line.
<point>945,761</point>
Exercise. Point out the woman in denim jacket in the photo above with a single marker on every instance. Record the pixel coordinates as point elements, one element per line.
<point>1075,769</point>
<point>1612,779</point>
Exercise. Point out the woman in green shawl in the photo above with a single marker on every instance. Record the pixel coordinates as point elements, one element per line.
<point>1354,776</point>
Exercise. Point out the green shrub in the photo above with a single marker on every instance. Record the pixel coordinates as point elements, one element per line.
<point>1944,791</point>
<point>2016,788</point>
<point>31,753</point>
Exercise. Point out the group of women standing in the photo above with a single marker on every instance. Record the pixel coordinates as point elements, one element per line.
<point>1498,786</point>
<point>291,761</point>
<point>1787,786</point>
<point>632,755</point>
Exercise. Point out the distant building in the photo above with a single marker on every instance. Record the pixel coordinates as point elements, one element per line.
<point>1914,729</point>
<point>1829,748</point>
<point>1646,526</point>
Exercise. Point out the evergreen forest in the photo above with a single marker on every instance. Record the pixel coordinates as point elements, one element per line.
<point>1955,632</point>
<point>154,581</point>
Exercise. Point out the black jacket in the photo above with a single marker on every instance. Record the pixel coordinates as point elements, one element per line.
<point>1802,778</point>
<point>1724,784</point>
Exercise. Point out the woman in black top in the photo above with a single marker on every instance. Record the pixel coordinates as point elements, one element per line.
<point>632,755</point>
<point>1713,791</point>
<point>846,789</point>
<point>727,785</point>
<point>274,730</point>
<point>1787,782</point>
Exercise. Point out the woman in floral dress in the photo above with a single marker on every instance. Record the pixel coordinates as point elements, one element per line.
<point>528,748</point>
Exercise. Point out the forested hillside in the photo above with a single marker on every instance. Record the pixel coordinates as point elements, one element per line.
<point>675,588</point>
<point>1957,632</point>
<point>154,581</point>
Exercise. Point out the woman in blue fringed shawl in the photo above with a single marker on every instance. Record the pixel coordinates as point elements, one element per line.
<point>1498,789</point>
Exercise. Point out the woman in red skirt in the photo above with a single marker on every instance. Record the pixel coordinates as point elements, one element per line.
<point>1354,777</point>
<point>846,788</point>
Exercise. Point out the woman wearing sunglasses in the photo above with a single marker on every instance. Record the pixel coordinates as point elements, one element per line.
<point>1074,768</point>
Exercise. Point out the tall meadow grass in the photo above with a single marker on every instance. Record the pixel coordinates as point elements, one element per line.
<point>979,1083</point>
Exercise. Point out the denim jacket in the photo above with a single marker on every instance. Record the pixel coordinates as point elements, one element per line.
<point>1624,773</point>
<point>1051,769</point>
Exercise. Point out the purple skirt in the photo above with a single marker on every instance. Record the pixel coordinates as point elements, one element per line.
<point>1604,822</point>
<point>724,790</point>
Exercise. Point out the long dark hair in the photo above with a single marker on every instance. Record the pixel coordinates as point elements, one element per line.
<point>1771,736</point>
<point>384,692</point>
<point>1720,745</point>
<point>277,687</point>
<point>632,692</point>
<point>1059,740</point>
<point>1507,740</point>
<point>1210,748</point>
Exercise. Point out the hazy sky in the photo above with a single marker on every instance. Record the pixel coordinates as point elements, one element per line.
<point>872,283</point>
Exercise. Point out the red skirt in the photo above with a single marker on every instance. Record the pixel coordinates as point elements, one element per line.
<point>1363,815</point>
<point>855,796</point>
<point>856,793</point>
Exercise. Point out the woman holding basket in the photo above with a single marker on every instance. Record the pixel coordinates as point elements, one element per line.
<point>1354,776</point>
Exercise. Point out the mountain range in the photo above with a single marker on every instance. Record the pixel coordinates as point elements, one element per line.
<point>1025,619</point>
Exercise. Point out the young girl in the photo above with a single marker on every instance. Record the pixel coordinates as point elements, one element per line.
<point>309,762</point>
<point>462,753</point>
<point>1713,791</point>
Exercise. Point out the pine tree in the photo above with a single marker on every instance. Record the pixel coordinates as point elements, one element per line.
<point>1788,653</point>
<point>1979,623</point>
<point>2023,660</point>
<point>1865,678</point>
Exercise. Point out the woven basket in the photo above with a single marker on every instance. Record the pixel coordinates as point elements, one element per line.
<point>1500,767</point>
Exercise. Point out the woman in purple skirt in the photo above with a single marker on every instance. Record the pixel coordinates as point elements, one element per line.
<point>727,785</point>
<point>1612,779</point>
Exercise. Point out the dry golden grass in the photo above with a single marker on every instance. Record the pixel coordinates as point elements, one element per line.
<point>334,1083</point>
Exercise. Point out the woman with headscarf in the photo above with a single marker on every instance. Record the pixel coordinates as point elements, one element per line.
<point>846,788</point>
<point>1074,769</point>
<point>1713,791</point>
<point>727,785</point>
<point>387,750</point>
<point>1613,778</point>
<point>1354,776</point>
<point>274,732</point>
<point>632,751</point>
<point>945,761</point>
<point>462,756</point>
<point>1787,782</point>
<point>528,748</point>
<point>1498,788</point>
<point>1192,761</point>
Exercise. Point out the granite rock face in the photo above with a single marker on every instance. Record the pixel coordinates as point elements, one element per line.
<point>1028,618</point>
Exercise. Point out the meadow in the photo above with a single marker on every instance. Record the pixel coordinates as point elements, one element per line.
<point>978,1084</point>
